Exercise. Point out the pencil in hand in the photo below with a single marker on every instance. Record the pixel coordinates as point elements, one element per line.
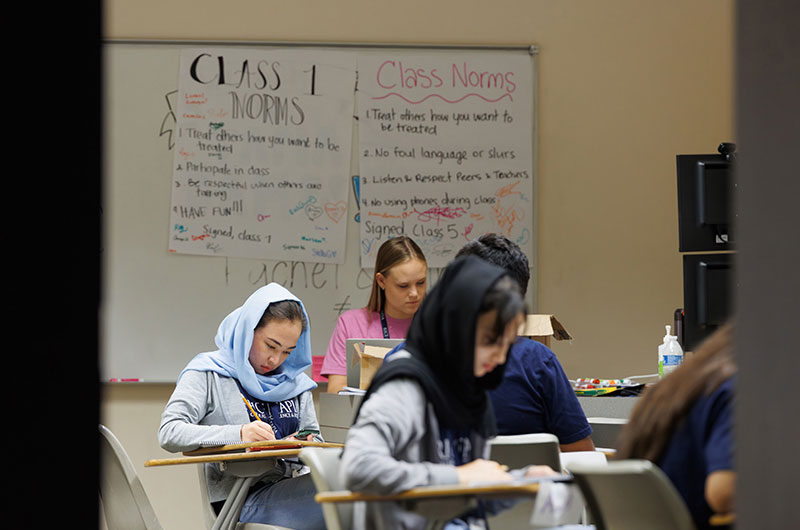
<point>249,406</point>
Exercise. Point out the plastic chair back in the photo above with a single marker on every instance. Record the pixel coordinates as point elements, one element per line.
<point>324,463</point>
<point>631,494</point>
<point>125,503</point>
<point>519,450</point>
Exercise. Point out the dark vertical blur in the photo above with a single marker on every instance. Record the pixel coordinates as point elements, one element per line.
<point>768,304</point>
<point>52,254</point>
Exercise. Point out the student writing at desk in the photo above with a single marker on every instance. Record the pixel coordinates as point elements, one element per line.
<point>252,388</point>
<point>535,394</point>
<point>398,288</point>
<point>684,424</point>
<point>426,416</point>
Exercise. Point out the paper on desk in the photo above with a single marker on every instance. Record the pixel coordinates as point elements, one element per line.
<point>562,477</point>
<point>611,421</point>
<point>350,391</point>
<point>557,504</point>
<point>596,457</point>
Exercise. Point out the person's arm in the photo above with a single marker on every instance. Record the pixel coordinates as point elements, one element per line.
<point>334,366</point>
<point>390,421</point>
<point>181,428</point>
<point>567,419</point>
<point>586,444</point>
<point>336,382</point>
<point>720,490</point>
<point>721,477</point>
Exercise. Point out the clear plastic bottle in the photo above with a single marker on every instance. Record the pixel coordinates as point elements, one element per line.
<point>670,354</point>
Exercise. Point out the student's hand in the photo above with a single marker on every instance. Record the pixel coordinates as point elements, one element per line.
<point>257,431</point>
<point>481,470</point>
<point>539,471</point>
<point>308,438</point>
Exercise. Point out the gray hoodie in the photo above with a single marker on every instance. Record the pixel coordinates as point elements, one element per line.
<point>207,409</point>
<point>394,446</point>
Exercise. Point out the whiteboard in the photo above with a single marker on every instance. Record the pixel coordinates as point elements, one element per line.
<point>159,309</point>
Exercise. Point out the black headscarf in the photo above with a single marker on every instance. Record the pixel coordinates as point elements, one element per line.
<point>441,340</point>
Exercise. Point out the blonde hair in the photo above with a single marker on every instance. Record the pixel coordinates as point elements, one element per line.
<point>392,252</point>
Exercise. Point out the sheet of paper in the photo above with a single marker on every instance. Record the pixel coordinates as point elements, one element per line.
<point>351,391</point>
<point>445,150</point>
<point>557,504</point>
<point>262,154</point>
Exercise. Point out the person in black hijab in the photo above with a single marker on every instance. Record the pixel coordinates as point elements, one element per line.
<point>426,415</point>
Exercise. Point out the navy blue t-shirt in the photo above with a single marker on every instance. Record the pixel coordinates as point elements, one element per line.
<point>702,444</point>
<point>536,396</point>
<point>282,416</point>
<point>455,448</point>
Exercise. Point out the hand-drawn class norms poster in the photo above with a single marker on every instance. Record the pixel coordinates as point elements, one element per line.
<point>262,155</point>
<point>445,150</point>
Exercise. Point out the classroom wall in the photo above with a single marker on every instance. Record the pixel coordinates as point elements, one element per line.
<point>624,86</point>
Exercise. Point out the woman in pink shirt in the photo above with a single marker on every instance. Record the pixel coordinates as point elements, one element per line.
<point>398,288</point>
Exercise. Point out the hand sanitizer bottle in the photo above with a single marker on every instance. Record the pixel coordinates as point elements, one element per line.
<point>670,354</point>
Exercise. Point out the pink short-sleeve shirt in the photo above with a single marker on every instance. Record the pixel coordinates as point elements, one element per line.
<point>358,324</point>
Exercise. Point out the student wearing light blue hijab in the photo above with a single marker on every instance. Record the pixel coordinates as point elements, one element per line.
<point>252,388</point>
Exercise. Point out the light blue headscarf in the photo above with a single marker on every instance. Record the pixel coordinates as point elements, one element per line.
<point>234,338</point>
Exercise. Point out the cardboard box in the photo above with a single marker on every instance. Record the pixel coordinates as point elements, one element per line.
<point>542,327</point>
<point>370,358</point>
<point>537,327</point>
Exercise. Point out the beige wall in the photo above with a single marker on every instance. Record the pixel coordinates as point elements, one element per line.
<point>624,85</point>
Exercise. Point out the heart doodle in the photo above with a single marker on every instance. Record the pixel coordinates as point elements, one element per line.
<point>335,210</point>
<point>313,211</point>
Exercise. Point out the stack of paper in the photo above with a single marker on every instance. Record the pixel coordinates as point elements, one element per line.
<point>350,391</point>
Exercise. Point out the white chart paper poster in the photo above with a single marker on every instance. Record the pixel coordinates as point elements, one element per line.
<point>262,155</point>
<point>445,150</point>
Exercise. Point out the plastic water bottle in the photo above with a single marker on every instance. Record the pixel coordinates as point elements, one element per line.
<point>670,354</point>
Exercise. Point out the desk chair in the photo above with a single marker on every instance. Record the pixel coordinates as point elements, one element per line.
<point>229,519</point>
<point>324,463</point>
<point>594,458</point>
<point>631,494</point>
<point>125,503</point>
<point>517,451</point>
<point>606,431</point>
